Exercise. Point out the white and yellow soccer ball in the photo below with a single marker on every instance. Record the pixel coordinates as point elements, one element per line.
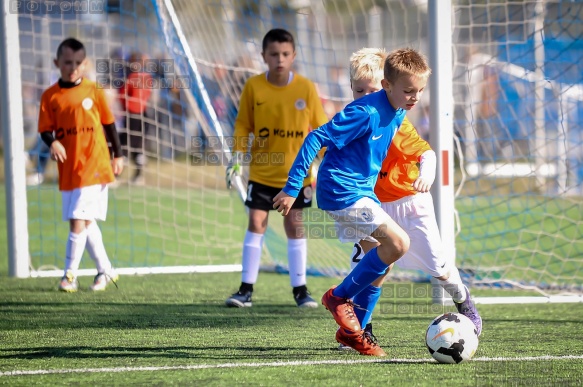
<point>451,338</point>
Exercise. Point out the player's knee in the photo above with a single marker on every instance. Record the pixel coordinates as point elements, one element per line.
<point>401,243</point>
<point>394,248</point>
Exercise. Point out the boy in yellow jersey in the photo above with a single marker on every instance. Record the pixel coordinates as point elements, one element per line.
<point>277,110</point>
<point>74,121</point>
<point>403,185</point>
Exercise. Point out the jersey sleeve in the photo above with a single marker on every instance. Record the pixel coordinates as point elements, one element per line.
<point>46,121</point>
<point>244,122</point>
<point>351,123</point>
<point>105,113</point>
<point>315,141</point>
<point>411,144</point>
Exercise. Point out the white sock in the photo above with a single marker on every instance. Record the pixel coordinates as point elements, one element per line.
<point>356,256</point>
<point>74,251</point>
<point>96,249</point>
<point>297,255</point>
<point>252,246</point>
<point>454,286</point>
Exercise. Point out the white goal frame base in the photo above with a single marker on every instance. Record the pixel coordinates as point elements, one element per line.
<point>144,270</point>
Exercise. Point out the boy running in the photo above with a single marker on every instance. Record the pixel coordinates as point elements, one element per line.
<point>357,140</point>
<point>406,176</point>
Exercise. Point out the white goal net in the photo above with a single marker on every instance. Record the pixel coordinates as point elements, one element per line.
<point>518,107</point>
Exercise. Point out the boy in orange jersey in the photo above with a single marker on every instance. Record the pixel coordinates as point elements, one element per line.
<point>72,121</point>
<point>403,185</point>
<point>279,108</point>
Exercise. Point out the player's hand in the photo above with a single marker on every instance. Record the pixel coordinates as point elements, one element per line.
<point>233,169</point>
<point>422,185</point>
<point>282,202</point>
<point>58,152</point>
<point>117,165</point>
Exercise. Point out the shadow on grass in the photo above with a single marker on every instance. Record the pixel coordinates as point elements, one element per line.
<point>238,353</point>
<point>74,315</point>
<point>123,315</point>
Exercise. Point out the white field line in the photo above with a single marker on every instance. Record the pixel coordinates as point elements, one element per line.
<point>273,364</point>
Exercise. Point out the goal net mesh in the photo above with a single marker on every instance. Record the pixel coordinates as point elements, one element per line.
<point>517,81</point>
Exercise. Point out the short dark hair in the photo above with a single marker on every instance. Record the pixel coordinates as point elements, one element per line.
<point>278,35</point>
<point>71,43</point>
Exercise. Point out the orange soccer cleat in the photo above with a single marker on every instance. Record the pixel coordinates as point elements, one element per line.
<point>365,344</point>
<point>342,310</point>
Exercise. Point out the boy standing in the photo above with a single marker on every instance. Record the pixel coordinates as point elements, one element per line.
<point>357,141</point>
<point>279,108</point>
<point>406,176</point>
<point>73,118</point>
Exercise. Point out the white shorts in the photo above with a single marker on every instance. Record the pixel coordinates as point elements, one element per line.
<point>416,215</point>
<point>358,221</point>
<point>86,203</point>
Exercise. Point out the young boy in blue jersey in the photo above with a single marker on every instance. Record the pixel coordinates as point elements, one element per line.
<point>357,141</point>
<point>405,180</point>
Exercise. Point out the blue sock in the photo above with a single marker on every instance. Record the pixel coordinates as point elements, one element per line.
<point>367,270</point>
<point>366,301</point>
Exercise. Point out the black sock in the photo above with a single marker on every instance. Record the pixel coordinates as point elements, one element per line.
<point>300,289</point>
<point>245,287</point>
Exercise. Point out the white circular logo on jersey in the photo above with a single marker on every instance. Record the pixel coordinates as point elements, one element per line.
<point>87,103</point>
<point>300,104</point>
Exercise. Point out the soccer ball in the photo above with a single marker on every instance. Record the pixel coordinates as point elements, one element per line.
<point>451,338</point>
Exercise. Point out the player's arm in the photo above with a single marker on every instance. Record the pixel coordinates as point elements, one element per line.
<point>314,141</point>
<point>427,167</point>
<point>113,138</point>
<point>416,147</point>
<point>46,127</point>
<point>111,135</point>
<point>57,149</point>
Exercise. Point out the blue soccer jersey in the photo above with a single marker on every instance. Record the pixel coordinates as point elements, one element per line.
<point>357,141</point>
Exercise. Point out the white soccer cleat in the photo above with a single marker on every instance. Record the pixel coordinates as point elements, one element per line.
<point>35,179</point>
<point>101,280</point>
<point>69,283</point>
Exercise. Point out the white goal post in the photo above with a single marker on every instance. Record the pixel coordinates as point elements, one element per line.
<point>13,140</point>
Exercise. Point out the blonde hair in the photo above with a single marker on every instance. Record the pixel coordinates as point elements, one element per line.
<point>367,63</point>
<point>405,61</point>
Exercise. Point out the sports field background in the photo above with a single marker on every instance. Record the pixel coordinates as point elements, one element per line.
<point>175,329</point>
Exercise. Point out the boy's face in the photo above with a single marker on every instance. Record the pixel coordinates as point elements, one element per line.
<point>71,64</point>
<point>406,92</point>
<point>279,57</point>
<point>363,87</point>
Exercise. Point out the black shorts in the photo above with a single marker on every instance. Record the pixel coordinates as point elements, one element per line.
<point>260,196</point>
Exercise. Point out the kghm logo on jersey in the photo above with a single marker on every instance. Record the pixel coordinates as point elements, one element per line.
<point>300,104</point>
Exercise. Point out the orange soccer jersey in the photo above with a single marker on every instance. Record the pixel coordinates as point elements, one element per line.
<point>401,166</point>
<point>75,116</point>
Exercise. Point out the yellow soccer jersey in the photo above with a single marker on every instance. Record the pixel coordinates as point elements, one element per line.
<point>279,118</point>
